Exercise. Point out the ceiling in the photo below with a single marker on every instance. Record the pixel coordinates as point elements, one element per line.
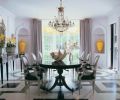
<point>47,9</point>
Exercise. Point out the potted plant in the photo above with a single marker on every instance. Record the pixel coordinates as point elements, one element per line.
<point>2,42</point>
<point>11,44</point>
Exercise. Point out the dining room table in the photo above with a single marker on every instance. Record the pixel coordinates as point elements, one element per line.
<point>60,66</point>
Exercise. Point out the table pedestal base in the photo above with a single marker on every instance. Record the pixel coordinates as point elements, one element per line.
<point>60,95</point>
<point>60,81</point>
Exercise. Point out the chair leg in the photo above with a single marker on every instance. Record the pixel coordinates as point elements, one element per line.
<point>26,84</point>
<point>27,87</point>
<point>79,86</point>
<point>93,86</point>
<point>39,84</point>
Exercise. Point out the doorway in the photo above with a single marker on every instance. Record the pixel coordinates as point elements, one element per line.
<point>114,47</point>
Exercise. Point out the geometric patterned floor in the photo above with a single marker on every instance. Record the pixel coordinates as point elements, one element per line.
<point>107,87</point>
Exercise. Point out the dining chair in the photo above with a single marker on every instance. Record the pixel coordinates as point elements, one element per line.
<point>88,58</point>
<point>34,59</point>
<point>40,53</point>
<point>39,69</point>
<point>31,74</point>
<point>85,60</point>
<point>88,75</point>
<point>82,57</point>
<point>40,56</point>
<point>50,71</point>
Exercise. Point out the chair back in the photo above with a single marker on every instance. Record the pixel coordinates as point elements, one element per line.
<point>27,56</point>
<point>40,56</point>
<point>88,57</point>
<point>25,63</point>
<point>95,64</point>
<point>82,56</point>
<point>25,60</point>
<point>34,58</point>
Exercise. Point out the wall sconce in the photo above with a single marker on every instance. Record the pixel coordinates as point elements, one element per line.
<point>2,26</point>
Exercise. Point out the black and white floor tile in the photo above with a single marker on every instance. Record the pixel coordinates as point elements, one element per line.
<point>107,87</point>
<point>12,86</point>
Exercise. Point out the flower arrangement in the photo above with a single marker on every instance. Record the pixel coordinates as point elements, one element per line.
<point>70,46</point>
<point>58,55</point>
<point>11,41</point>
<point>2,40</point>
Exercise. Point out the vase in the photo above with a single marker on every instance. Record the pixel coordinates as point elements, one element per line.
<point>10,50</point>
<point>100,45</point>
<point>22,46</point>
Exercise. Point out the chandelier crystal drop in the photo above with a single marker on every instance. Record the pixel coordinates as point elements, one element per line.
<point>60,23</point>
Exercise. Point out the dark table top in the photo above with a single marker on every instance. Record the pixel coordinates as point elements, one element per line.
<point>59,65</point>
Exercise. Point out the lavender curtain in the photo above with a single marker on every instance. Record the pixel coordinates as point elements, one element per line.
<point>37,36</point>
<point>85,36</point>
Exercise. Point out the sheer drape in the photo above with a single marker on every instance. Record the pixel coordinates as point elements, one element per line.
<point>85,36</point>
<point>37,36</point>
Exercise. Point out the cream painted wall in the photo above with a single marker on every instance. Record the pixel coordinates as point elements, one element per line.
<point>100,23</point>
<point>24,23</point>
<point>114,17</point>
<point>104,23</point>
<point>8,20</point>
<point>14,24</point>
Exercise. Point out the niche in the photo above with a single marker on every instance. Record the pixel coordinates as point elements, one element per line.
<point>99,40</point>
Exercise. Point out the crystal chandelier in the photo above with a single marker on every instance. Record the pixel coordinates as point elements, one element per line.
<point>59,23</point>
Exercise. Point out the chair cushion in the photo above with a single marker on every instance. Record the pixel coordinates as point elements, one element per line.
<point>40,75</point>
<point>41,69</point>
<point>30,77</point>
<point>87,76</point>
<point>88,67</point>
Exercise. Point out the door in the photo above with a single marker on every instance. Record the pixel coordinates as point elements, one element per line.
<point>114,47</point>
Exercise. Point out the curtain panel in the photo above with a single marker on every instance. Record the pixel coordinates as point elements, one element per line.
<point>37,36</point>
<point>85,36</point>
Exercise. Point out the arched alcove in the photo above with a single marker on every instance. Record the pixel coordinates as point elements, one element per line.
<point>99,30</point>
<point>99,34</point>
<point>23,33</point>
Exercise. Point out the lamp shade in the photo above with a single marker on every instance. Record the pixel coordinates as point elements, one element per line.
<point>22,46</point>
<point>100,45</point>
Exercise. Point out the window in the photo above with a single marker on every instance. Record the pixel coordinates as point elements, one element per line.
<point>53,41</point>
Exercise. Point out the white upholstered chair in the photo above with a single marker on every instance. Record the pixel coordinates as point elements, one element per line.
<point>88,75</point>
<point>31,74</point>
